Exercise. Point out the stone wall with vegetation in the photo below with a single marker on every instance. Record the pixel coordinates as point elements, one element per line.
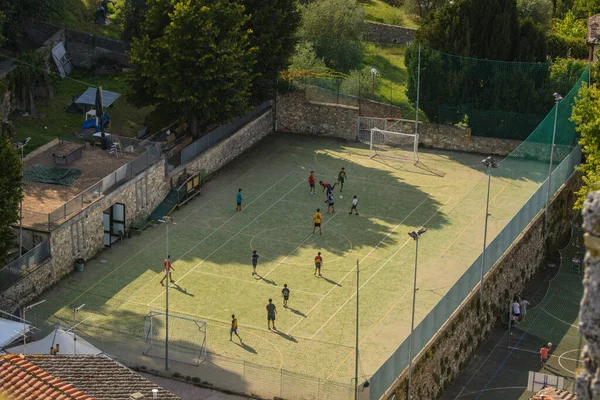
<point>588,380</point>
<point>87,239</point>
<point>297,115</point>
<point>453,346</point>
<point>384,33</point>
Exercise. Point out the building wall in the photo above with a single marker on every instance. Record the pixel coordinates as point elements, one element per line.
<point>453,346</point>
<point>384,33</point>
<point>297,115</point>
<point>82,236</point>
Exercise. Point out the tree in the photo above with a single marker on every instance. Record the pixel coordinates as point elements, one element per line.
<point>11,190</point>
<point>586,116</point>
<point>474,28</point>
<point>425,7</point>
<point>15,12</point>
<point>274,24</point>
<point>131,16</point>
<point>538,10</point>
<point>533,43</point>
<point>193,59</point>
<point>335,27</point>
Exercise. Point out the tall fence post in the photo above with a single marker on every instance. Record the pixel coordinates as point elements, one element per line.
<point>281,384</point>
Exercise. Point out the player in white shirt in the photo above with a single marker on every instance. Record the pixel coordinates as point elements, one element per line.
<point>354,205</point>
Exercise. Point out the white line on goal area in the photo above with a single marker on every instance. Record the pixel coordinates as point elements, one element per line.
<point>232,237</point>
<point>376,272</point>
<point>149,244</point>
<point>364,258</point>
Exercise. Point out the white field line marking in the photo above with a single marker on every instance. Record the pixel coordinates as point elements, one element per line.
<point>231,238</point>
<point>297,247</point>
<point>368,254</point>
<point>250,282</point>
<point>550,355</point>
<point>558,319</point>
<point>206,237</point>
<point>376,272</point>
<point>492,389</point>
<point>149,244</point>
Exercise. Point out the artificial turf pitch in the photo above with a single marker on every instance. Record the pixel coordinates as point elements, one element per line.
<point>211,244</point>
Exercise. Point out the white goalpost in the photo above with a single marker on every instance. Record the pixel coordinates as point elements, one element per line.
<point>394,145</point>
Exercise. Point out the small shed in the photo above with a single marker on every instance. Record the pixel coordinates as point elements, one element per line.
<point>593,36</point>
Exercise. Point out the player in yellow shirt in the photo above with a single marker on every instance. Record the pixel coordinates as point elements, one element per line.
<point>234,327</point>
<point>317,219</point>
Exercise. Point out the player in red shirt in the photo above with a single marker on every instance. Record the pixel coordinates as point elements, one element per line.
<point>167,264</point>
<point>311,182</point>
<point>327,186</point>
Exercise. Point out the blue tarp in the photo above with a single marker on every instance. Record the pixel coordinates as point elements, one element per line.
<point>89,97</point>
<point>91,123</point>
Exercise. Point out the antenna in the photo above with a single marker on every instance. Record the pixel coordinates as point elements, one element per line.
<point>73,328</point>
<point>25,309</point>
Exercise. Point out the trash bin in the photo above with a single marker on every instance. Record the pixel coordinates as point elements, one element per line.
<point>79,264</point>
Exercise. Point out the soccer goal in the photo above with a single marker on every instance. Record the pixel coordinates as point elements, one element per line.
<point>187,338</point>
<point>395,145</point>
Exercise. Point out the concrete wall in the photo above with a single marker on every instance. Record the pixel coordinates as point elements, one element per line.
<point>449,351</point>
<point>89,224</point>
<point>83,49</point>
<point>384,33</point>
<point>588,380</point>
<point>297,115</point>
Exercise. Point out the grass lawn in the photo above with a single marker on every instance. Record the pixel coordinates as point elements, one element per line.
<point>380,11</point>
<point>79,15</point>
<point>52,120</point>
<point>211,243</point>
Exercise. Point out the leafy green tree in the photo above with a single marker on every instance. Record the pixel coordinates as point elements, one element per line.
<point>11,190</point>
<point>586,115</point>
<point>131,15</point>
<point>195,60</point>
<point>274,24</point>
<point>533,44</point>
<point>540,11</point>
<point>15,12</point>
<point>305,59</point>
<point>335,27</point>
<point>474,28</point>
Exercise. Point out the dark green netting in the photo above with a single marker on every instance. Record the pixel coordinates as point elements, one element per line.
<point>55,175</point>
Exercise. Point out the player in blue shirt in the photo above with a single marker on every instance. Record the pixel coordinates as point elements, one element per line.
<point>238,207</point>
<point>254,258</point>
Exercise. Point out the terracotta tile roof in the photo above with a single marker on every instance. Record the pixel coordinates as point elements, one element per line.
<point>552,394</point>
<point>20,379</point>
<point>98,375</point>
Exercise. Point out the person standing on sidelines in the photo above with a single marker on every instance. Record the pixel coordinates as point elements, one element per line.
<point>516,308</point>
<point>238,200</point>
<point>311,183</point>
<point>544,351</point>
<point>317,219</point>
<point>523,303</point>
<point>341,178</point>
<point>354,205</point>
<point>234,328</point>
<point>254,258</point>
<point>286,295</point>
<point>167,267</point>
<point>318,264</point>
<point>271,312</point>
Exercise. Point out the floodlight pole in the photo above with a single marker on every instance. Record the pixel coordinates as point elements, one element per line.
<point>73,329</point>
<point>373,73</point>
<point>418,92</point>
<point>356,344</point>
<point>166,220</point>
<point>415,236</point>
<point>557,99</point>
<point>20,146</point>
<point>489,164</point>
<point>25,324</point>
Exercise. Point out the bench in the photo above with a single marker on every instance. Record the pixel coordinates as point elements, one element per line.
<point>139,224</point>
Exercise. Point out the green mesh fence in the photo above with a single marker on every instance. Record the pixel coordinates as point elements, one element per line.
<point>494,98</point>
<point>56,175</point>
<point>530,162</point>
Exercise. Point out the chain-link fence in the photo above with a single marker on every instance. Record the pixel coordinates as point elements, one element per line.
<point>24,265</point>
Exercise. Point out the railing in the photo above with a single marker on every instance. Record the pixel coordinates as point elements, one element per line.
<point>24,265</point>
<point>385,376</point>
<point>124,173</point>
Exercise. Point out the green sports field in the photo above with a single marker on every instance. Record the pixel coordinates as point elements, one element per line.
<point>211,245</point>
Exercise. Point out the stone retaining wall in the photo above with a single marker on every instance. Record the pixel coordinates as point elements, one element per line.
<point>384,33</point>
<point>453,346</point>
<point>297,115</point>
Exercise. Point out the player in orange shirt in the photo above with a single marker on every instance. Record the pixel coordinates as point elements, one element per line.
<point>544,353</point>
<point>167,265</point>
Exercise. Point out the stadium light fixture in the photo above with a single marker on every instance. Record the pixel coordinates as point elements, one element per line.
<point>415,236</point>
<point>490,163</point>
<point>557,99</point>
<point>373,73</point>
<point>167,220</point>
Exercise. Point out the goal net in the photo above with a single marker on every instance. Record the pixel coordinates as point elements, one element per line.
<point>187,338</point>
<point>394,145</point>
